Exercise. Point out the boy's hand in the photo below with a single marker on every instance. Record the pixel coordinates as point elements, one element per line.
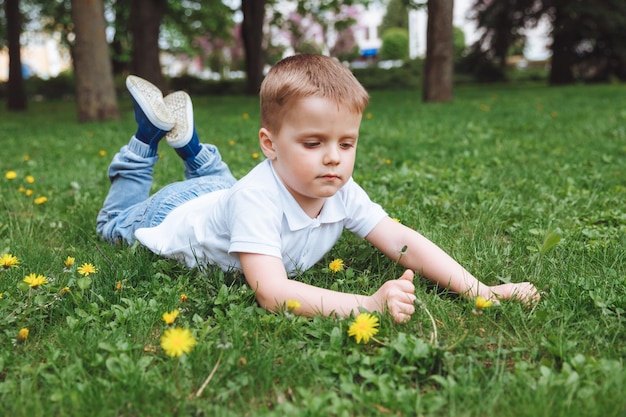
<point>398,296</point>
<point>525,292</point>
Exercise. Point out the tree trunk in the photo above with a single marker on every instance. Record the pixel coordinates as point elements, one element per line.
<point>95,90</point>
<point>145,22</point>
<point>15,87</point>
<point>562,61</point>
<point>252,35</point>
<point>439,63</point>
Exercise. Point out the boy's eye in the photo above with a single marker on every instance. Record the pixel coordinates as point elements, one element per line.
<point>311,144</point>
<point>346,145</point>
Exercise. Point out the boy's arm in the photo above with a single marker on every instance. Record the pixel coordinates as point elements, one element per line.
<point>266,275</point>
<point>426,258</point>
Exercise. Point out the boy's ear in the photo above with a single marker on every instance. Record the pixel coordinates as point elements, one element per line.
<point>266,143</point>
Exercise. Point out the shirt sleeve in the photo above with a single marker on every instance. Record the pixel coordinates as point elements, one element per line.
<point>255,223</point>
<point>362,213</point>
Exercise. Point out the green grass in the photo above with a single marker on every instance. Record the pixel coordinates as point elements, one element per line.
<point>517,183</point>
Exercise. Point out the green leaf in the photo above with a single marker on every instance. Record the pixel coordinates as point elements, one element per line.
<point>550,241</point>
<point>84,283</point>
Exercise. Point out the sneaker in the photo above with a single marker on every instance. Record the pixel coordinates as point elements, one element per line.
<point>153,117</point>
<point>183,137</point>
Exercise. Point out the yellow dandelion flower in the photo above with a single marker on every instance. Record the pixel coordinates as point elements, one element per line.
<point>86,269</point>
<point>554,114</point>
<point>245,116</point>
<point>30,179</point>
<point>255,155</point>
<point>41,200</point>
<point>28,192</point>
<point>183,298</point>
<point>64,290</point>
<point>231,142</point>
<point>69,262</point>
<point>177,341</point>
<point>8,261</point>
<point>0,295</point>
<point>102,152</point>
<point>483,303</point>
<point>293,305</point>
<point>369,116</point>
<point>169,317</point>
<point>10,175</point>
<point>35,280</point>
<point>21,189</point>
<point>336,265</point>
<point>22,335</point>
<point>26,158</point>
<point>118,286</point>
<point>364,327</point>
<point>484,107</point>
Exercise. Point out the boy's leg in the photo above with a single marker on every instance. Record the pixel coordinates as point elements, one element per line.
<point>131,169</point>
<point>201,160</point>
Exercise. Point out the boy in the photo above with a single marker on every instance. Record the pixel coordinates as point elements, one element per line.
<point>285,214</point>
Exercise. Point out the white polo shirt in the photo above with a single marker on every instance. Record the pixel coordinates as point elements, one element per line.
<point>259,215</point>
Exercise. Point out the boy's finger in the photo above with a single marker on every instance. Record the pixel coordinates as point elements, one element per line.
<point>408,275</point>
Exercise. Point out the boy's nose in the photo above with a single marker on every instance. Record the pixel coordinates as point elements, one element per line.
<point>332,156</point>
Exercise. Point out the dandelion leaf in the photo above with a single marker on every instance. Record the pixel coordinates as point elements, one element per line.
<point>550,241</point>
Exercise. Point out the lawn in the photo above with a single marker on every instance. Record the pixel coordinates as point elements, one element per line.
<point>515,182</point>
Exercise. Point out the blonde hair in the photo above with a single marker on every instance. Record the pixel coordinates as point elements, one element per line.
<point>308,75</point>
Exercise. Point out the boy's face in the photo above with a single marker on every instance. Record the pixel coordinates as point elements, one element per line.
<point>313,153</point>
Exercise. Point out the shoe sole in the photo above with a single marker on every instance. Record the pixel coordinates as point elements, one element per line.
<point>179,105</point>
<point>150,99</point>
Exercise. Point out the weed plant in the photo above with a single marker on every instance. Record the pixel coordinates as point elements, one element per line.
<point>517,183</point>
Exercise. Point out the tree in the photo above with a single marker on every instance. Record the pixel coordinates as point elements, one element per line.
<point>439,63</point>
<point>503,21</point>
<point>15,87</point>
<point>588,37</point>
<point>95,90</point>
<point>396,16</point>
<point>252,35</point>
<point>145,22</point>
<point>395,44</point>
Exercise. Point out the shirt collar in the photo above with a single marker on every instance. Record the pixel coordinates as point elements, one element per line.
<point>333,211</point>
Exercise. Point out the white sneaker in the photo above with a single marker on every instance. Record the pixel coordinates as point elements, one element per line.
<point>151,113</point>
<point>179,105</point>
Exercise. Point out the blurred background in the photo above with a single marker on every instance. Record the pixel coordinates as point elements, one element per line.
<point>59,48</point>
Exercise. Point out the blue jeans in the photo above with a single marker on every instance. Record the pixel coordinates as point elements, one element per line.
<point>129,206</point>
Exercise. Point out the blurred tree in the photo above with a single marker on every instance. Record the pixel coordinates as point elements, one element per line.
<point>16,90</point>
<point>252,35</point>
<point>439,63</point>
<point>345,48</point>
<point>458,41</point>
<point>395,44</point>
<point>396,16</point>
<point>95,90</point>
<point>588,37</point>
<point>504,22</point>
<point>144,27</point>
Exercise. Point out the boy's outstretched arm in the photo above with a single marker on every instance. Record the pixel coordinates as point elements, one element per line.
<point>426,258</point>
<point>266,275</point>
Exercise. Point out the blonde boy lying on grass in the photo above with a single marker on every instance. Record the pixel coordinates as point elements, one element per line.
<point>287,212</point>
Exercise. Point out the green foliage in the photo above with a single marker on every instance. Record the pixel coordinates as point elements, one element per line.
<point>396,16</point>
<point>458,41</point>
<point>516,182</point>
<point>395,44</point>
